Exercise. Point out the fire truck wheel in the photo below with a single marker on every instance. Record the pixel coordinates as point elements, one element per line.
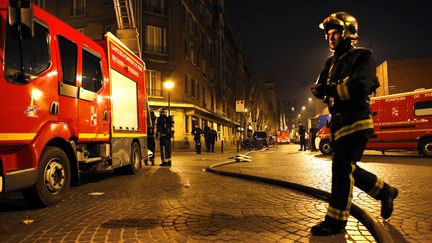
<point>426,147</point>
<point>135,159</point>
<point>53,178</point>
<point>325,147</point>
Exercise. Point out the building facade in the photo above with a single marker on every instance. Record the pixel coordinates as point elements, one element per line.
<point>404,75</point>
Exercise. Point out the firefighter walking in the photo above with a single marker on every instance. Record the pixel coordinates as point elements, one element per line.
<point>164,133</point>
<point>197,131</point>
<point>345,84</point>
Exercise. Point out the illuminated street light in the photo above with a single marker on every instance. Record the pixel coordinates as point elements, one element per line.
<point>303,108</point>
<point>169,85</point>
<point>310,99</point>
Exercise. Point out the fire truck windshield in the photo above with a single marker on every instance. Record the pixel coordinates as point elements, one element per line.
<point>35,56</point>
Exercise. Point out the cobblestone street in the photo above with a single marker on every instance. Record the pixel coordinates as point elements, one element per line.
<point>186,204</point>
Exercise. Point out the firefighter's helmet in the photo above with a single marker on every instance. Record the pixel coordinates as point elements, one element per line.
<point>347,24</point>
<point>162,111</point>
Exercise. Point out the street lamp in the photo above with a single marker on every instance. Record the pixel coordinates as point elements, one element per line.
<point>169,85</point>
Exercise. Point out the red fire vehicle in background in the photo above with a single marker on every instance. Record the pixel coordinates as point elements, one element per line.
<point>282,136</point>
<point>401,121</point>
<point>67,104</point>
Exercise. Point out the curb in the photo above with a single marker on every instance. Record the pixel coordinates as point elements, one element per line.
<point>375,227</point>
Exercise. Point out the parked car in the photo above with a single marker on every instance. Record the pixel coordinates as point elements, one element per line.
<point>261,138</point>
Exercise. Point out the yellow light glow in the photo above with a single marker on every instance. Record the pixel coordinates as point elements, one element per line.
<point>168,84</point>
<point>36,94</point>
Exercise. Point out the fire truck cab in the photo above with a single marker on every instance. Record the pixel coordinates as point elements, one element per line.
<point>401,121</point>
<point>67,104</point>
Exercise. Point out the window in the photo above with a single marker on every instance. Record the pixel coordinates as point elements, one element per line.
<point>204,96</point>
<point>35,55</point>
<point>203,66</point>
<point>212,101</point>
<point>91,72</point>
<point>186,124</point>
<point>186,48</point>
<point>423,108</point>
<point>193,82</point>
<point>186,83</point>
<point>193,56</point>
<point>78,7</point>
<point>155,39</point>
<point>198,91</point>
<point>155,6</point>
<point>68,55</point>
<point>154,82</point>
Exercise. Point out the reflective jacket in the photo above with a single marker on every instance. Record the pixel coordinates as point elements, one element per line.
<point>347,80</point>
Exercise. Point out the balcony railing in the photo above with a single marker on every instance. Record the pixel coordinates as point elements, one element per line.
<point>156,49</point>
<point>154,92</point>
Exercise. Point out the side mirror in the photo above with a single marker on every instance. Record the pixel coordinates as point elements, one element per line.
<point>374,113</point>
<point>21,18</point>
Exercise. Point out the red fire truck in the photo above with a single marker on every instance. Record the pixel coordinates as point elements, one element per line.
<point>67,104</point>
<point>282,136</point>
<point>401,121</point>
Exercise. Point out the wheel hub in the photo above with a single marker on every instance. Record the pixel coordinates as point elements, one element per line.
<point>54,176</point>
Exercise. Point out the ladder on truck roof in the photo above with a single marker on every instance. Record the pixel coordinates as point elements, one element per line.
<point>127,31</point>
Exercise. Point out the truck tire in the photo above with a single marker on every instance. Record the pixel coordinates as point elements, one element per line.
<point>135,159</point>
<point>325,147</point>
<point>426,147</point>
<point>53,178</point>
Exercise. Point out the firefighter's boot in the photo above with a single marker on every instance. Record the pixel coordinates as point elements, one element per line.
<point>387,195</point>
<point>152,161</point>
<point>327,228</point>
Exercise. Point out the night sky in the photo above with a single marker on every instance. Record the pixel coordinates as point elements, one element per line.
<point>282,41</point>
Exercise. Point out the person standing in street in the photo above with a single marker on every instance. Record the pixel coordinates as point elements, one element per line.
<point>197,138</point>
<point>313,131</point>
<point>213,138</point>
<point>164,133</point>
<point>302,135</point>
<point>207,138</point>
<point>345,84</point>
<point>151,143</point>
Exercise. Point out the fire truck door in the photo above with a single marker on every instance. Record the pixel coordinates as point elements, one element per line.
<point>68,90</point>
<point>93,108</point>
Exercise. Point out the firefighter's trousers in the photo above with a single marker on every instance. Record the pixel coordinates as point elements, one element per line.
<point>346,174</point>
<point>151,144</point>
<point>165,149</point>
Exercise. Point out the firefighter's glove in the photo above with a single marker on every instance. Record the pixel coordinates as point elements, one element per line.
<point>317,90</point>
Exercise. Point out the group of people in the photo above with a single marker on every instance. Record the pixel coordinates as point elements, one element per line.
<point>161,128</point>
<point>302,137</point>
<point>210,137</point>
